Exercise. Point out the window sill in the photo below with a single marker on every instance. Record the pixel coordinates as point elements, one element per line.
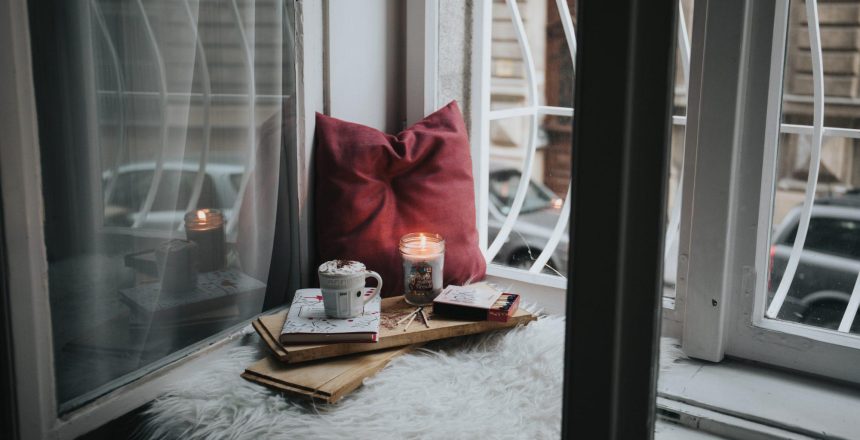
<point>526,277</point>
<point>739,399</point>
<point>126,398</point>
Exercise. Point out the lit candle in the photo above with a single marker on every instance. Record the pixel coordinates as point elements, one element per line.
<point>205,227</point>
<point>423,257</point>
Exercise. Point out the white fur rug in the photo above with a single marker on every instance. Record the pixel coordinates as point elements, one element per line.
<point>502,385</point>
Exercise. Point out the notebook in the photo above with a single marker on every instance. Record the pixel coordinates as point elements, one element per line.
<point>307,322</point>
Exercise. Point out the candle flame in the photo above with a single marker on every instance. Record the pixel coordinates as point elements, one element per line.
<point>201,214</point>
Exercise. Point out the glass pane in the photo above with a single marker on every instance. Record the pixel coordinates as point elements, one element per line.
<point>541,207</point>
<point>511,137</point>
<point>161,128</point>
<point>818,291</point>
<point>554,76</point>
<point>678,131</point>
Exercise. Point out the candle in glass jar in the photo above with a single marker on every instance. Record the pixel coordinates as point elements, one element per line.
<point>205,227</point>
<point>423,257</point>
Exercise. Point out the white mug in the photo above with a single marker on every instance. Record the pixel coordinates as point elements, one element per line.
<point>342,283</point>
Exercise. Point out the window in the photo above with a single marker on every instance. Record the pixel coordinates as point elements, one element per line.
<point>770,263</point>
<point>815,179</point>
<point>157,111</point>
<point>524,131</point>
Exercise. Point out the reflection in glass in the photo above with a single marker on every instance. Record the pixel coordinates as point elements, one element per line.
<point>157,109</point>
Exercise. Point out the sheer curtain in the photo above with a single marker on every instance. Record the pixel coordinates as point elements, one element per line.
<point>163,126</point>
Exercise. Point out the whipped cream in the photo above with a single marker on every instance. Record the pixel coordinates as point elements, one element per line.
<point>342,267</point>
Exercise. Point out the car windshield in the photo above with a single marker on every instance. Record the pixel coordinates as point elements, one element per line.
<point>503,188</point>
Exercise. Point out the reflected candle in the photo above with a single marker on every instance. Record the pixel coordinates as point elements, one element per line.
<point>205,227</point>
<point>423,256</point>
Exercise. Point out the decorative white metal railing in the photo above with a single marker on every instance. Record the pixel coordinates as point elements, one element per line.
<point>531,148</point>
<point>814,160</point>
<point>162,90</point>
<point>817,131</point>
<point>535,111</point>
<point>564,215</point>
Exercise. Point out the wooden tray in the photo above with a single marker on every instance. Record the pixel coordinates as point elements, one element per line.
<point>324,381</point>
<point>390,335</point>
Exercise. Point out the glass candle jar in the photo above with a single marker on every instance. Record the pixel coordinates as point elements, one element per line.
<point>423,257</point>
<point>205,227</point>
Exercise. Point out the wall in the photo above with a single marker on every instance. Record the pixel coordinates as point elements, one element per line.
<point>455,55</point>
<point>365,56</point>
<point>375,80</point>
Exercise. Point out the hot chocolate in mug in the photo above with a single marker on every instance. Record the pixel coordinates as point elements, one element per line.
<point>342,283</point>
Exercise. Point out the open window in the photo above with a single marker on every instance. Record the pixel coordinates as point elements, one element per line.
<point>770,269</point>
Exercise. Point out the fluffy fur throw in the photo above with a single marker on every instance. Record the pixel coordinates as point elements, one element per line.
<point>500,385</point>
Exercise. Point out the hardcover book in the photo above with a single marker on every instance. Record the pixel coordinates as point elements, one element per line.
<point>307,322</point>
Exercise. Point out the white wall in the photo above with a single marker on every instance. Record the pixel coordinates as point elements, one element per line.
<point>366,53</point>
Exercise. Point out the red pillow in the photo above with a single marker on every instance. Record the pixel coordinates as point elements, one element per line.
<point>372,188</point>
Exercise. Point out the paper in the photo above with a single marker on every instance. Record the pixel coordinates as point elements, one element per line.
<point>479,295</point>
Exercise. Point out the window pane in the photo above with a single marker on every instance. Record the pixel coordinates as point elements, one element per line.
<point>531,55</point>
<point>531,67</point>
<point>148,111</point>
<point>678,129</point>
<point>817,290</point>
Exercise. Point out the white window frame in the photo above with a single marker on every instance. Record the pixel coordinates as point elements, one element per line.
<point>20,170</point>
<point>735,109</point>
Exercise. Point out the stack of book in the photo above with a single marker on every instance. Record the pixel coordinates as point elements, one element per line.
<point>317,357</point>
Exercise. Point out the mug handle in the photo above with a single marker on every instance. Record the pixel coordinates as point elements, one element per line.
<point>377,289</point>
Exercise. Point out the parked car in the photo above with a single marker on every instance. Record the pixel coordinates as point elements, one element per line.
<point>220,188</point>
<point>828,266</point>
<point>532,229</point>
